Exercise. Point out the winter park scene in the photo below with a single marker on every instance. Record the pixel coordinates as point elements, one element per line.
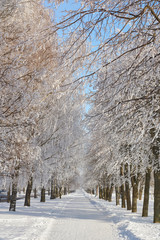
<point>79,120</point>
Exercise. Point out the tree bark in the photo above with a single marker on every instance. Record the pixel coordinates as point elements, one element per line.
<point>65,191</point>
<point>134,196</point>
<point>43,195</point>
<point>107,193</point>
<point>8,195</point>
<point>28,192</point>
<point>56,191</point>
<point>35,193</point>
<point>127,188</point>
<point>52,190</point>
<point>100,192</point>
<point>123,204</point>
<point>146,193</point>
<point>60,192</point>
<point>157,196</point>
<point>103,193</point>
<point>13,196</point>
<point>97,189</point>
<point>128,195</point>
<point>117,195</point>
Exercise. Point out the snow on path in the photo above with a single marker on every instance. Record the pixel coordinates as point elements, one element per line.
<point>80,220</point>
<point>77,216</point>
<point>74,217</point>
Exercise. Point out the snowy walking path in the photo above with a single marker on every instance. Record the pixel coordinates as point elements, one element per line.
<point>77,216</point>
<point>79,219</point>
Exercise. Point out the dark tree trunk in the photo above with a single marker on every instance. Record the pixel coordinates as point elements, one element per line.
<point>65,191</point>
<point>128,195</point>
<point>43,195</point>
<point>117,195</point>
<point>146,193</point>
<point>134,197</point>
<point>123,204</point>
<point>49,192</point>
<point>52,190</point>
<point>28,192</point>
<point>56,191</point>
<point>156,151</point>
<point>157,196</point>
<point>8,195</point>
<point>35,193</point>
<point>127,187</point>
<point>103,193</point>
<point>107,193</point>
<point>60,192</point>
<point>13,197</point>
<point>100,192</point>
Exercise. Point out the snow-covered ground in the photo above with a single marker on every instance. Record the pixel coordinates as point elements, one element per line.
<point>77,216</point>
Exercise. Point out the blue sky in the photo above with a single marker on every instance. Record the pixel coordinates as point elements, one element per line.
<point>59,12</point>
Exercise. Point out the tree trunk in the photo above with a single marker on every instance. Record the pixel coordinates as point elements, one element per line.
<point>56,191</point>
<point>35,193</point>
<point>52,190</point>
<point>157,196</point>
<point>140,192</point>
<point>49,192</point>
<point>146,193</point>
<point>43,195</point>
<point>127,187</point>
<point>28,192</point>
<point>65,191</point>
<point>97,189</point>
<point>107,193</point>
<point>128,195</point>
<point>60,192</point>
<point>8,195</point>
<point>13,196</point>
<point>156,152</point>
<point>134,197</point>
<point>117,195</point>
<point>123,204</point>
<point>100,192</point>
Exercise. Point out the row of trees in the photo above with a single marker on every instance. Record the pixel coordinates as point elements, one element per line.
<point>111,48</point>
<point>122,67</point>
<point>38,109</point>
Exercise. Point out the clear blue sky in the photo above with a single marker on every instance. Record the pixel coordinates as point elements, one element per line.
<point>59,12</point>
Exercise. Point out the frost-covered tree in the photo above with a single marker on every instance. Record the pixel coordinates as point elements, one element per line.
<point>28,53</point>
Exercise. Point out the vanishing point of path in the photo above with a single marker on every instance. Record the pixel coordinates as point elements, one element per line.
<point>77,218</point>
